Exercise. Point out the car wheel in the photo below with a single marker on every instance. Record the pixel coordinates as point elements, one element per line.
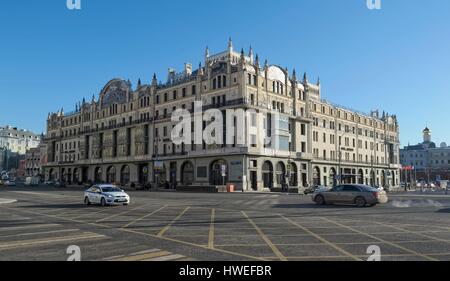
<point>103,202</point>
<point>86,201</point>
<point>125,204</point>
<point>360,201</point>
<point>319,200</point>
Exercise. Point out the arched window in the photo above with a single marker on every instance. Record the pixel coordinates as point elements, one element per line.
<point>111,174</point>
<point>187,173</point>
<point>125,175</point>
<point>280,172</point>
<point>216,176</point>
<point>316,176</point>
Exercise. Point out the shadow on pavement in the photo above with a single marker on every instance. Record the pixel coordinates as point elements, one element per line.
<point>313,206</point>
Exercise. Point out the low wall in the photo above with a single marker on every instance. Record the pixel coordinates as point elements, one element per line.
<point>198,188</point>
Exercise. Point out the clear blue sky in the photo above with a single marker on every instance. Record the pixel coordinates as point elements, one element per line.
<point>396,59</point>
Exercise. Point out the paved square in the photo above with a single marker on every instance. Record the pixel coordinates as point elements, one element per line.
<point>163,226</point>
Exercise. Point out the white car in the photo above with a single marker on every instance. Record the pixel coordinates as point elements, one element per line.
<point>106,194</point>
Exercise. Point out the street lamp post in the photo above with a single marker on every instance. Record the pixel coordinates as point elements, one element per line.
<point>339,165</point>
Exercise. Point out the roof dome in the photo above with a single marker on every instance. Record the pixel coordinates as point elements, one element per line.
<point>114,92</point>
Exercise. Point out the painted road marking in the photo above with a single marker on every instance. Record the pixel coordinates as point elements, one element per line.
<point>381,240</point>
<point>122,213</point>
<point>211,229</point>
<point>321,238</point>
<point>143,217</point>
<point>140,233</point>
<point>274,249</point>
<point>33,242</point>
<point>420,234</point>
<point>161,233</point>
<point>166,258</point>
<point>31,226</point>
<point>39,233</point>
<point>90,213</point>
<point>145,256</point>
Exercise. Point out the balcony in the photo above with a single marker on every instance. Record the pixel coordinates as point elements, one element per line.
<point>303,155</point>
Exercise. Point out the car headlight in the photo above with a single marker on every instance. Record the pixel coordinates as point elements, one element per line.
<point>109,196</point>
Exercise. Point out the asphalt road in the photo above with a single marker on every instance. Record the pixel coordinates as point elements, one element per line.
<point>45,221</point>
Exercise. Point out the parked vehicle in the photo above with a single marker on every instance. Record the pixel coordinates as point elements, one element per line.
<point>10,183</point>
<point>315,188</point>
<point>354,194</point>
<point>32,181</point>
<point>384,188</point>
<point>60,184</point>
<point>106,194</point>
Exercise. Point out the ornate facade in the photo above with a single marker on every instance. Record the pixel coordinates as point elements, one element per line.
<point>124,135</point>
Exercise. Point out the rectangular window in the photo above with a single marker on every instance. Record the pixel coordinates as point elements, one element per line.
<point>303,147</point>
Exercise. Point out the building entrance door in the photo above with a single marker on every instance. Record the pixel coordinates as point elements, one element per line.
<point>253,180</point>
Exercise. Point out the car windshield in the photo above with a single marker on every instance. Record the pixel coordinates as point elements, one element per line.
<point>111,189</point>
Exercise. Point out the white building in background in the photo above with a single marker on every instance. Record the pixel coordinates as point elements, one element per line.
<point>430,161</point>
<point>124,135</point>
<point>14,143</point>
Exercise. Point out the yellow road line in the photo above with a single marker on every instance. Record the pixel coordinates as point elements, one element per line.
<point>381,240</point>
<point>94,213</point>
<point>71,212</point>
<point>166,258</point>
<point>321,238</point>
<point>211,229</point>
<point>52,211</point>
<point>144,256</point>
<point>191,244</point>
<point>420,234</point>
<point>26,243</point>
<point>274,249</point>
<point>140,233</point>
<point>122,213</point>
<point>362,256</point>
<point>11,228</point>
<point>38,233</point>
<point>161,233</point>
<point>132,254</point>
<point>143,217</point>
